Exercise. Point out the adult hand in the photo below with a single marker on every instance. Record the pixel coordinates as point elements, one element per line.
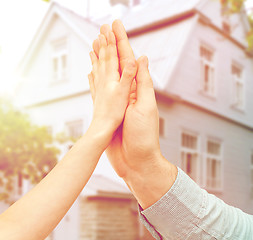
<point>134,152</point>
<point>133,146</point>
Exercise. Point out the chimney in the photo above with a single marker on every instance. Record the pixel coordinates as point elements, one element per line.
<point>119,8</point>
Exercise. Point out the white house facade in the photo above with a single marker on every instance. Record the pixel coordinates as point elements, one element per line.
<point>203,77</point>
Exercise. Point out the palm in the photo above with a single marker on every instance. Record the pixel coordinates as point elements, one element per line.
<point>115,151</point>
<point>123,148</point>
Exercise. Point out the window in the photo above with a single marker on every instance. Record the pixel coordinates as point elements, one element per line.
<point>238,86</point>
<point>161,127</point>
<point>60,60</point>
<point>225,20</point>
<point>213,165</point>
<point>75,128</point>
<point>190,155</point>
<point>207,71</point>
<point>226,27</point>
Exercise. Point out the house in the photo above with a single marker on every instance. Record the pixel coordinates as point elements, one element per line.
<point>110,208</point>
<point>104,210</point>
<point>203,77</point>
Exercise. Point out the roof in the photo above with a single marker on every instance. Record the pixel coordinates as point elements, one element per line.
<point>99,185</point>
<point>174,38</point>
<point>156,11</point>
<point>80,25</point>
<point>178,16</point>
<point>84,24</point>
<point>87,30</point>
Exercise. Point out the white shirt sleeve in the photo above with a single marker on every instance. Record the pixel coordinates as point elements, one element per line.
<point>188,212</point>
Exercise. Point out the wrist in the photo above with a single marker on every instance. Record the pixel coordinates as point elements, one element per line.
<point>101,132</point>
<point>150,183</point>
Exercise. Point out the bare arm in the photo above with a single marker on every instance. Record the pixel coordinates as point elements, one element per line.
<point>36,214</point>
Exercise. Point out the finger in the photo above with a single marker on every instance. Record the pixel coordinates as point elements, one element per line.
<point>112,51</point>
<point>133,87</point>
<point>105,29</point>
<point>93,58</point>
<point>102,41</point>
<point>129,73</point>
<point>95,47</point>
<point>132,96</point>
<point>92,86</point>
<point>124,49</point>
<point>94,61</point>
<point>102,47</point>
<point>145,90</point>
<point>111,38</point>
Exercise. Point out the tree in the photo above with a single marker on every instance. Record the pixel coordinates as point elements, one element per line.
<point>233,6</point>
<point>250,33</point>
<point>236,6</point>
<point>26,150</point>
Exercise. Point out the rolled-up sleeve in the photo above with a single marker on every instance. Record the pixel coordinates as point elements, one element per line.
<point>188,212</point>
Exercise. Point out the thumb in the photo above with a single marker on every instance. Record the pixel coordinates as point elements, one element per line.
<point>144,82</point>
<point>129,73</point>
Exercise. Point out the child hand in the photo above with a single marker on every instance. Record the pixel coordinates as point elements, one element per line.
<point>110,92</point>
<point>136,143</point>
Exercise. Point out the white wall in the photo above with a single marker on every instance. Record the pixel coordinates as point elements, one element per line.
<point>39,85</point>
<point>212,9</point>
<point>237,144</point>
<point>186,80</point>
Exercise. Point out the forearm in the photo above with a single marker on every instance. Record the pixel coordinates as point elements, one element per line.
<point>36,214</point>
<point>152,181</point>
